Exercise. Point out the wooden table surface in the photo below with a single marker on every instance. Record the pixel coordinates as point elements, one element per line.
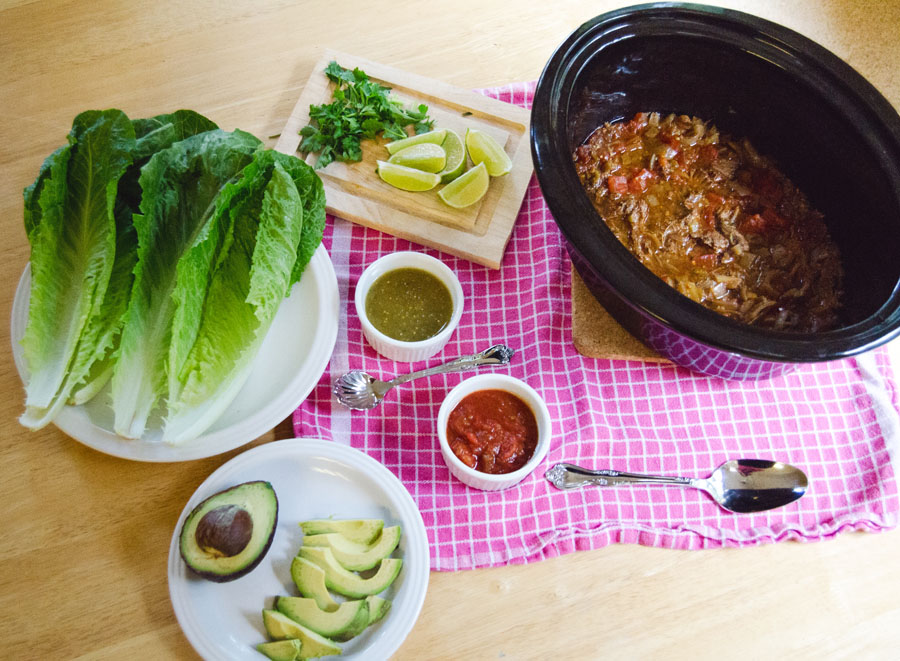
<point>85,536</point>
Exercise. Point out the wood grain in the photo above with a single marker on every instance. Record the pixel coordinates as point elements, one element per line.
<point>85,536</point>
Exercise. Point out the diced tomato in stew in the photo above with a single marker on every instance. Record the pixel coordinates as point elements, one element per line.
<point>715,199</point>
<point>774,219</point>
<point>640,181</point>
<point>709,152</point>
<point>617,184</point>
<point>669,139</point>
<point>753,224</point>
<point>707,261</point>
<point>638,122</point>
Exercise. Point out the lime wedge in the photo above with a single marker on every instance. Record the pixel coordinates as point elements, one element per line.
<point>404,178</point>
<point>427,157</point>
<point>434,137</point>
<point>466,189</point>
<point>484,149</point>
<point>456,157</point>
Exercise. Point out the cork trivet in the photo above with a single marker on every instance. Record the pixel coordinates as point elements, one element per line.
<point>597,335</point>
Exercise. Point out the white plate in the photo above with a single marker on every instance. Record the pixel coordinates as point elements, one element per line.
<point>288,366</point>
<point>313,479</point>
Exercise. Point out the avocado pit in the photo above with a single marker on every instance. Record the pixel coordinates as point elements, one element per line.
<point>224,531</point>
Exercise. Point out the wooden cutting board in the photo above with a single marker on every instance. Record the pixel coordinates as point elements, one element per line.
<point>355,192</point>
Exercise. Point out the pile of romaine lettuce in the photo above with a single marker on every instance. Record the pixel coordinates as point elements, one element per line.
<point>161,249</point>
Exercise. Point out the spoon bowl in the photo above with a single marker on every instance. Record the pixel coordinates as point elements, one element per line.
<point>755,485</point>
<point>739,485</point>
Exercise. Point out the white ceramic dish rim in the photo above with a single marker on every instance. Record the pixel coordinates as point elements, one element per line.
<point>76,421</point>
<point>499,382</point>
<point>409,259</point>
<point>405,610</point>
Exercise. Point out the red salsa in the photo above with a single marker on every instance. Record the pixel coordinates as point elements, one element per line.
<point>492,431</point>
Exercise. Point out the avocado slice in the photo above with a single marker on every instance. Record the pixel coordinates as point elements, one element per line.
<point>310,580</point>
<point>279,626</point>
<point>354,556</point>
<point>347,621</point>
<point>229,533</point>
<point>361,531</point>
<point>346,582</point>
<point>378,608</point>
<point>281,650</point>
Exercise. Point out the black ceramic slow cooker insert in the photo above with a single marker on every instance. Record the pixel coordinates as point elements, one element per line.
<point>829,130</point>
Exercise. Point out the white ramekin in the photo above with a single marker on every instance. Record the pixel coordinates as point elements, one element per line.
<point>486,481</point>
<point>395,349</point>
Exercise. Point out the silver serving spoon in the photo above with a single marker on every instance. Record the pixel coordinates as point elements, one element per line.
<point>742,485</point>
<point>358,390</point>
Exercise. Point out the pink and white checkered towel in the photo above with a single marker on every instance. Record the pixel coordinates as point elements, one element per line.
<point>837,421</point>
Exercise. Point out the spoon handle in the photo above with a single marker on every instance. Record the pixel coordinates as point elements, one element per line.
<point>569,476</point>
<point>499,354</point>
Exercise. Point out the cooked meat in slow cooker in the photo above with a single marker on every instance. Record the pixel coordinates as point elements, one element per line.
<point>715,220</point>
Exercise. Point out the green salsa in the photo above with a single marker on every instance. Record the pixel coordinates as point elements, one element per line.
<point>409,304</point>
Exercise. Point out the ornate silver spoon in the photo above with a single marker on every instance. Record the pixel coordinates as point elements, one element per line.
<point>742,485</point>
<point>358,390</point>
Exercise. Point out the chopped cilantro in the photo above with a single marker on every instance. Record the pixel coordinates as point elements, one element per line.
<point>360,109</point>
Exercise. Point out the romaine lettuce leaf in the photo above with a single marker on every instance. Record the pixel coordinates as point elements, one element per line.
<point>312,192</point>
<point>152,135</point>
<point>181,123</point>
<point>244,294</point>
<point>179,188</point>
<point>69,217</point>
<point>53,166</point>
<point>203,257</point>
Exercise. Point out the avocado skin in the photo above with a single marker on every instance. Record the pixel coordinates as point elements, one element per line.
<point>263,510</point>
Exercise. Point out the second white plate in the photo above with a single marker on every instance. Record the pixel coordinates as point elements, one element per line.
<point>313,479</point>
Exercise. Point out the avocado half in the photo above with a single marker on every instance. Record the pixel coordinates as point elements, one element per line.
<point>229,533</point>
